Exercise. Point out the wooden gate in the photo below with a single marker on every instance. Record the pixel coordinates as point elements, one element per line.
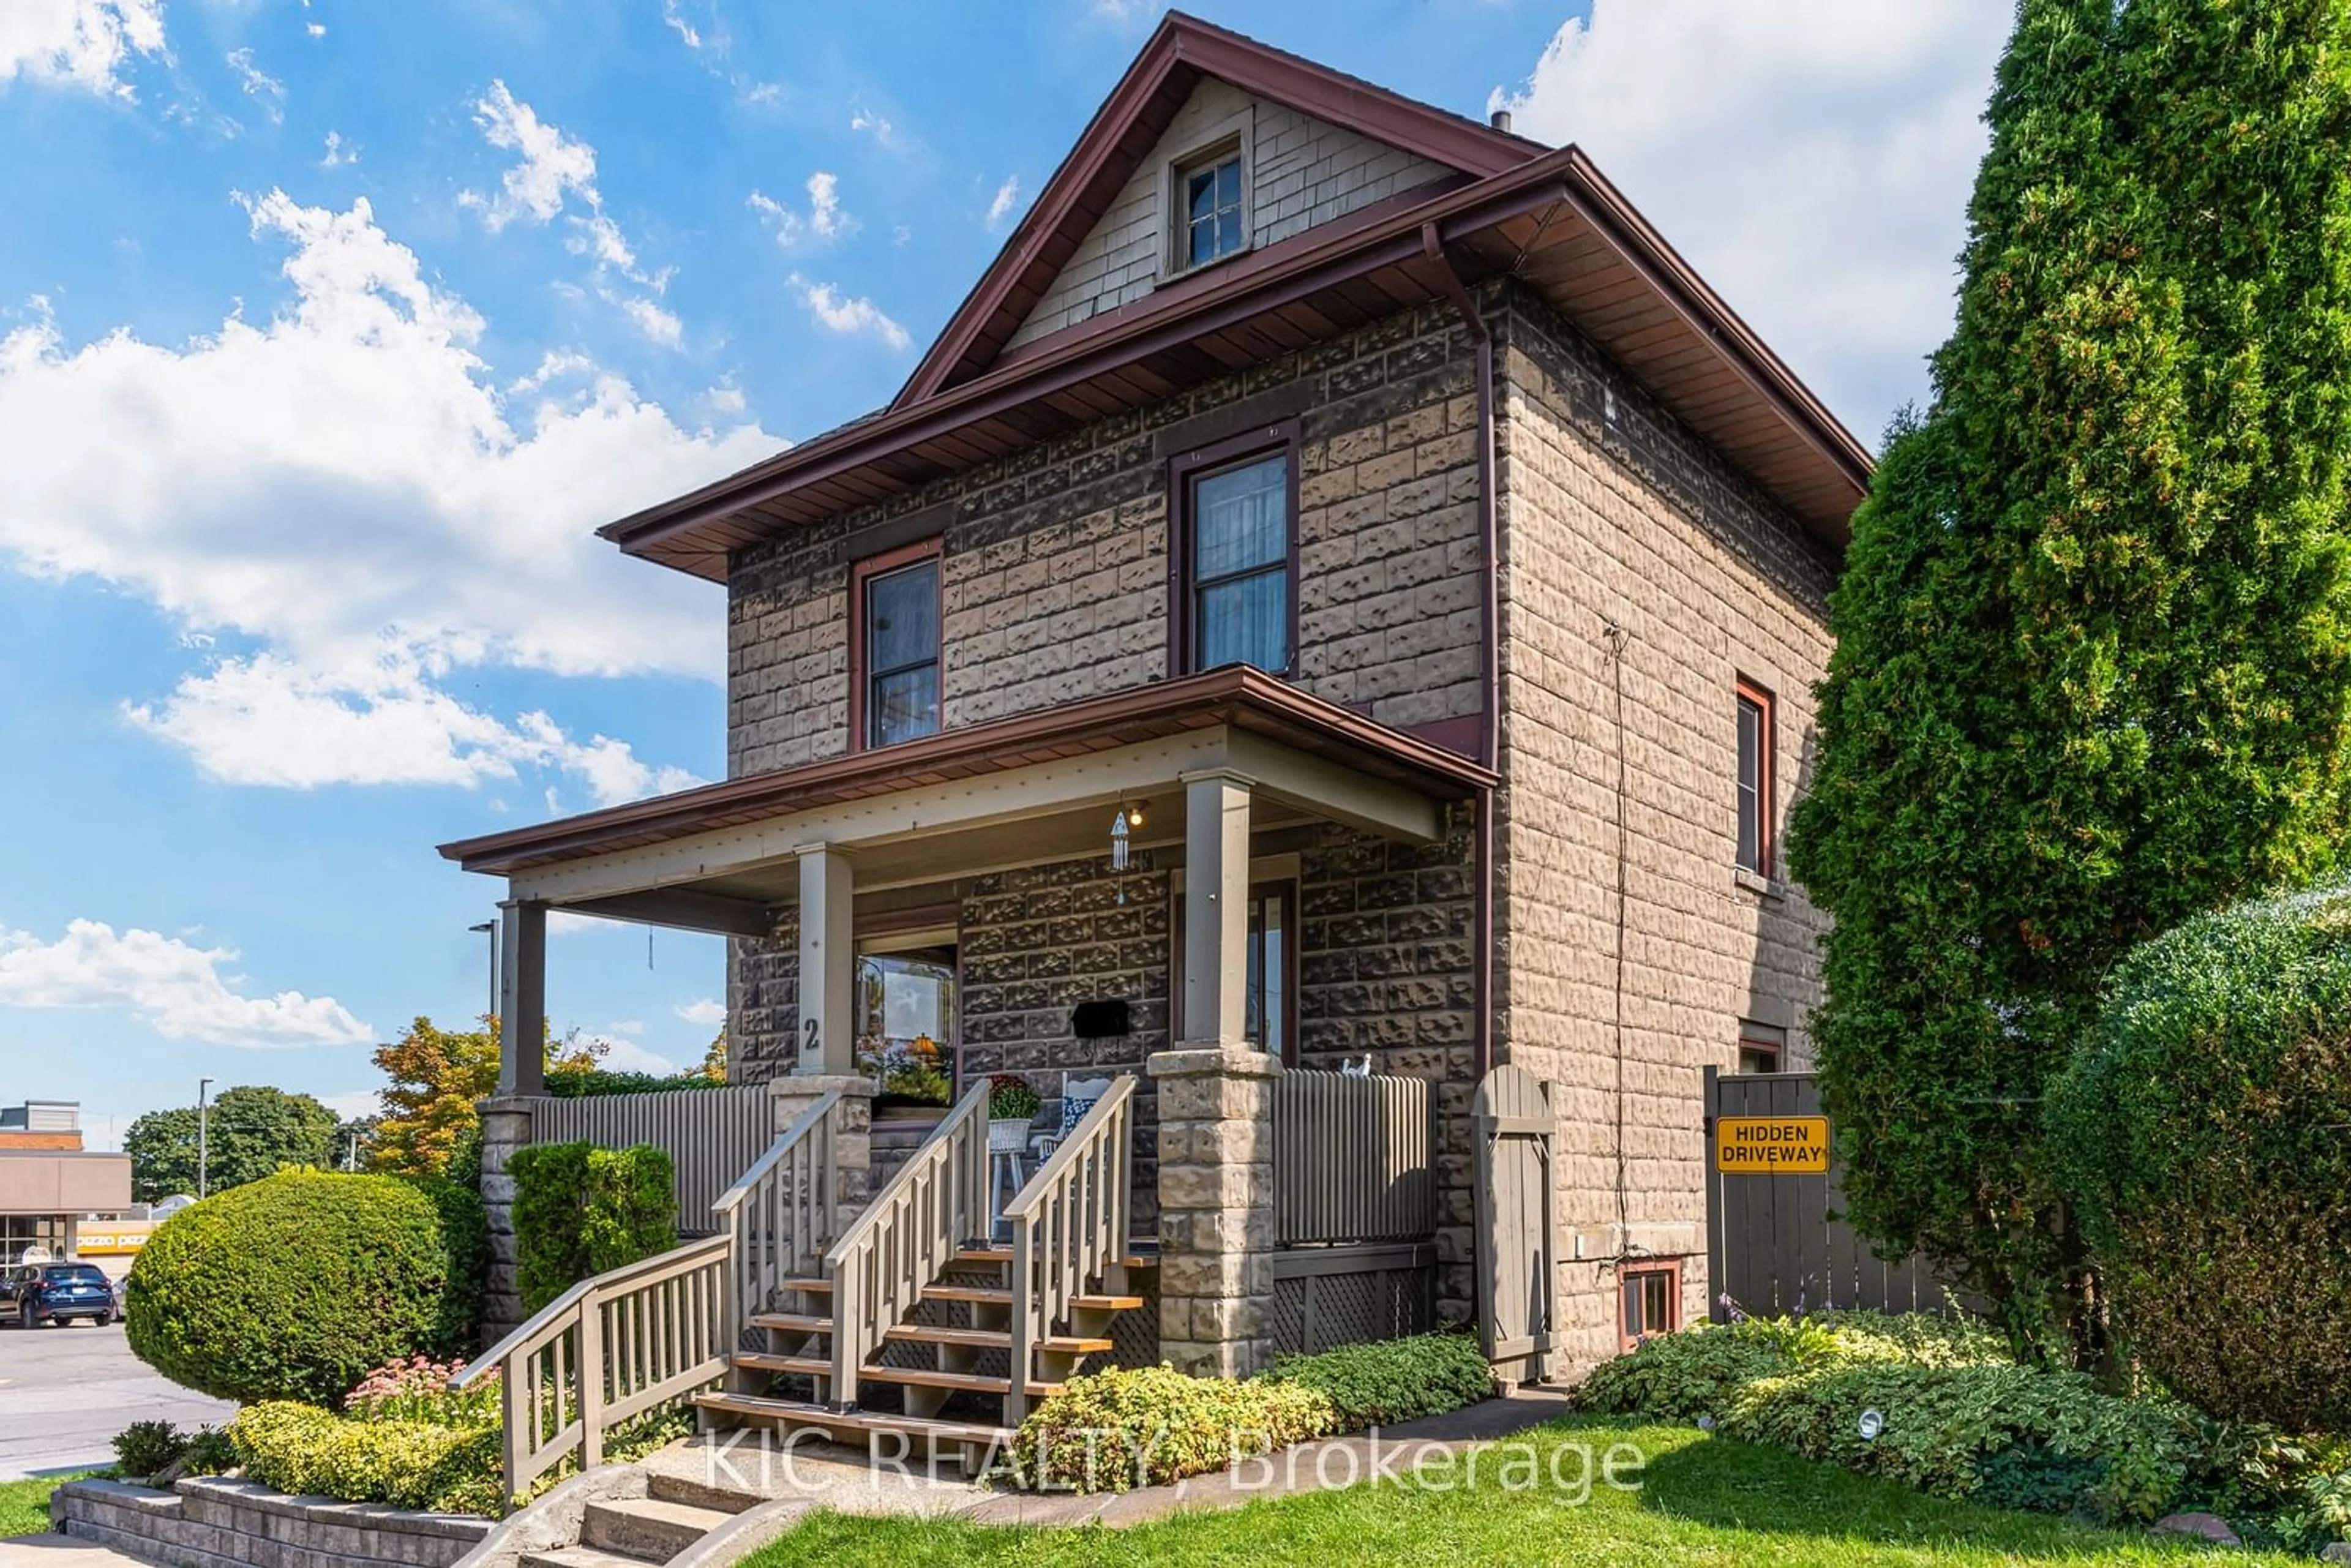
<point>1772,1248</point>
<point>1518,1274</point>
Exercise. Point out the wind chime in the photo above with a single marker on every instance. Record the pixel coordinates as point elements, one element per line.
<point>1121,824</point>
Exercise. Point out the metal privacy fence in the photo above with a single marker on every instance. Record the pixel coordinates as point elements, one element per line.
<point>1353,1158</point>
<point>712,1136</point>
<point>1772,1246</point>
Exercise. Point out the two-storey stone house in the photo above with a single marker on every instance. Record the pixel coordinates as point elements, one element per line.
<point>1340,586</point>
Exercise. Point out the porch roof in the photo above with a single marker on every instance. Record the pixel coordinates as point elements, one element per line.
<point>1236,698</point>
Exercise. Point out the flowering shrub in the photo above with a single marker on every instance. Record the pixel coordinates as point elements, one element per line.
<point>1009,1098</point>
<point>418,1389</point>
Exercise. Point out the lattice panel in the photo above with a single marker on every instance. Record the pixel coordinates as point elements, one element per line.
<point>1135,1335</point>
<point>1321,1312</point>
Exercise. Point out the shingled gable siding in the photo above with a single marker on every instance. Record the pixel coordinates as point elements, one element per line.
<point>1303,171</point>
<point>1055,560</point>
<point>1630,520</point>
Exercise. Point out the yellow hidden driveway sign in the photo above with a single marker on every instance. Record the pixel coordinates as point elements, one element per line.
<point>1772,1146</point>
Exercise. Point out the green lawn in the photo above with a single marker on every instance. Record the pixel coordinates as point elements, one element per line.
<point>25,1505</point>
<point>1703,1499</point>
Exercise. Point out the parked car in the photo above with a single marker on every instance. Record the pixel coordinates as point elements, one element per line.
<point>58,1294</point>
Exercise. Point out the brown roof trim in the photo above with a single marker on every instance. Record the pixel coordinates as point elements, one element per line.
<point>1182,49</point>
<point>1237,695</point>
<point>1364,242</point>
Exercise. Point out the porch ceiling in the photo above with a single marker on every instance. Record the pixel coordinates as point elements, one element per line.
<point>1010,792</point>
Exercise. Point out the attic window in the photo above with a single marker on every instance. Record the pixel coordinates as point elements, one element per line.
<point>1210,220</point>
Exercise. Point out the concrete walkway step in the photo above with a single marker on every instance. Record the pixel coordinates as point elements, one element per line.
<point>578,1557</point>
<point>649,1529</point>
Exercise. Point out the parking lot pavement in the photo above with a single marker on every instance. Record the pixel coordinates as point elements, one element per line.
<point>66,1392</point>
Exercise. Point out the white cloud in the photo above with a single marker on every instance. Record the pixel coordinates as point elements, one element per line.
<point>260,86</point>
<point>727,399</point>
<point>677,24</point>
<point>847,316</point>
<point>1006,195</point>
<point>340,154</point>
<point>704,1011</point>
<point>825,219</point>
<point>1813,161</point>
<point>554,365</point>
<point>552,165</point>
<point>78,43</point>
<point>180,991</point>
<point>627,1056</point>
<point>863,119</point>
<point>266,720</point>
<point>318,29</point>
<point>555,168</point>
<point>343,488</point>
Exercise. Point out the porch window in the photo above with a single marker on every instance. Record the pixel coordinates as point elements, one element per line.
<point>1270,1003</point>
<point>1651,1297</point>
<point>1236,589</point>
<point>895,645</point>
<point>1754,780</point>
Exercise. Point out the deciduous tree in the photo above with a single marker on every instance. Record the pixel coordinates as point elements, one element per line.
<point>250,1131</point>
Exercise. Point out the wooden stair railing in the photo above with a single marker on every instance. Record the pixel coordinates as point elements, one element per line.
<point>782,1213</point>
<point>885,1260</point>
<point>1069,1230</point>
<point>613,1347</point>
<point>606,1350</point>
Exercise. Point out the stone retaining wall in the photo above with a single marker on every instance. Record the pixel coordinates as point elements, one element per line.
<point>215,1522</point>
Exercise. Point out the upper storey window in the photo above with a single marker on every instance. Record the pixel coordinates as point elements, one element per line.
<point>1237,591</point>
<point>1213,224</point>
<point>1755,846</point>
<point>894,643</point>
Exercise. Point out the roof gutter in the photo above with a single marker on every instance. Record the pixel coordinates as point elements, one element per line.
<point>1481,1023</point>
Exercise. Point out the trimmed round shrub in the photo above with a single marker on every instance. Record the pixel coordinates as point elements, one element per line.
<point>2203,1134</point>
<point>293,1287</point>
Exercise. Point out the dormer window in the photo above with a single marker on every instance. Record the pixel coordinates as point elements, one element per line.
<point>1211,216</point>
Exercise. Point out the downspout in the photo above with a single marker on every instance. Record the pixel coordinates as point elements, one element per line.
<point>1481,1029</point>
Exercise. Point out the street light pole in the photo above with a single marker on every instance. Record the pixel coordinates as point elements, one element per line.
<point>490,928</point>
<point>203,1132</point>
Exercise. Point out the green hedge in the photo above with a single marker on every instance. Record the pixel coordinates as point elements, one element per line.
<point>1126,1428</point>
<point>1698,1371</point>
<point>1397,1380</point>
<point>294,1286</point>
<point>596,1081</point>
<point>408,1464</point>
<point>2201,1136</point>
<point>580,1210</point>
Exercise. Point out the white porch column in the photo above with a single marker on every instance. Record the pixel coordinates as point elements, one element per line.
<point>1216,906</point>
<point>522,997</point>
<point>828,1030</point>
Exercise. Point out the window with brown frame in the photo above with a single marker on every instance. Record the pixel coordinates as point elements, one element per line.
<point>1762,1048</point>
<point>1755,742</point>
<point>1270,1011</point>
<point>893,646</point>
<point>1650,1301</point>
<point>1233,589</point>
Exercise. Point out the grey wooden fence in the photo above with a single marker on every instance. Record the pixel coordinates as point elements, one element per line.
<point>1516,1173</point>
<point>713,1135</point>
<point>1772,1246</point>
<point>1353,1158</point>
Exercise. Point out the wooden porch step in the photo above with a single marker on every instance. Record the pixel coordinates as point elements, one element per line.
<point>915,1377</point>
<point>800,1413</point>
<point>1004,1255</point>
<point>804,1282</point>
<point>990,1339</point>
<point>791,1323</point>
<point>980,1295</point>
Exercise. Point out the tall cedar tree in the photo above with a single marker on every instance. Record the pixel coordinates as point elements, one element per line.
<point>2091,673</point>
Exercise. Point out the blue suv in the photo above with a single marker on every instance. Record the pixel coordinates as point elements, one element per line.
<point>56,1293</point>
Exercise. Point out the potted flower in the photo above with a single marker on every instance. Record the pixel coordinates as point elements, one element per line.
<point>1011,1106</point>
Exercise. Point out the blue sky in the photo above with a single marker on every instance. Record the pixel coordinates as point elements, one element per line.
<point>328,331</point>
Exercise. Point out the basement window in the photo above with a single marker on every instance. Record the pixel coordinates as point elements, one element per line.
<point>1762,1048</point>
<point>1651,1297</point>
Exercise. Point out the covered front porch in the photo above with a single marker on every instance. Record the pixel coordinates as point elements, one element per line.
<point>1298,888</point>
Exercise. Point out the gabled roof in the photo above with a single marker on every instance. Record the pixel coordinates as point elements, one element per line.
<point>1549,219</point>
<point>1128,125</point>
